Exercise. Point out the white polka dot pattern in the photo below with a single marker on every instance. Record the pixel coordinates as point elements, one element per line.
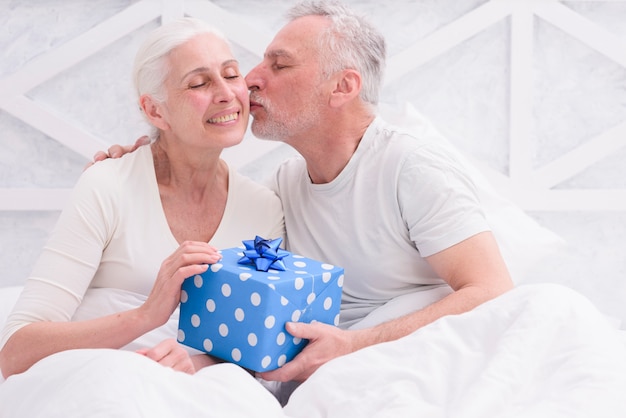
<point>238,314</point>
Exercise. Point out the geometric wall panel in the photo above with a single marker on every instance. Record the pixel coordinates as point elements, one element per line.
<point>31,159</point>
<point>532,91</point>
<point>444,90</point>
<point>68,94</point>
<point>595,176</point>
<point>579,93</point>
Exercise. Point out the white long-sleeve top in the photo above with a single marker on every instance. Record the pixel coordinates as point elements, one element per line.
<point>113,236</point>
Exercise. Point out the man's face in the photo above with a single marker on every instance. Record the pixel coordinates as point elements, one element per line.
<point>286,90</point>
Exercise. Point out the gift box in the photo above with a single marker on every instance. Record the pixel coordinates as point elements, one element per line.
<point>238,308</point>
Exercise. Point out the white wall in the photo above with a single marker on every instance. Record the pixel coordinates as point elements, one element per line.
<point>534,91</point>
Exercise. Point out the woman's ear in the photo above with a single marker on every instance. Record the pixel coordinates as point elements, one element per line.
<point>347,87</point>
<point>153,111</point>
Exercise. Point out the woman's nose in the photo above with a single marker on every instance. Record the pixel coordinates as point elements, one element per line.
<point>224,92</point>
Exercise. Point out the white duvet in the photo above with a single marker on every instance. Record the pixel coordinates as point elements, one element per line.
<point>537,351</point>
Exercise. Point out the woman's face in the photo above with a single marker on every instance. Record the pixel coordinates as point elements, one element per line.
<point>207,101</point>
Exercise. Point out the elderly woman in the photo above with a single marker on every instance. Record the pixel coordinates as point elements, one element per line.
<point>136,227</point>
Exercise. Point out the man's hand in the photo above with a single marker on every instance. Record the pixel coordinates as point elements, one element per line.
<point>116,151</point>
<point>325,343</point>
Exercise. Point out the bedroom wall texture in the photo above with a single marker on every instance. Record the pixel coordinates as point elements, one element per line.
<point>533,91</point>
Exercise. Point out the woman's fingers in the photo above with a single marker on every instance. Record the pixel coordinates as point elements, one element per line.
<point>189,259</point>
<point>169,353</point>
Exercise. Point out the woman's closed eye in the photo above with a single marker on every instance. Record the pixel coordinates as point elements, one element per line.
<point>197,85</point>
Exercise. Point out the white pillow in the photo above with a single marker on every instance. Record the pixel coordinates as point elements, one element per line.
<point>524,244</point>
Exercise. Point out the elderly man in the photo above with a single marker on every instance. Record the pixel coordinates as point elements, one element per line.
<point>392,209</point>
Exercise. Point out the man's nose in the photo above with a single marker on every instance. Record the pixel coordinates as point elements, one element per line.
<point>253,80</point>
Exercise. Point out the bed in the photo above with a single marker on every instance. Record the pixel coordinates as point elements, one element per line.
<point>540,350</point>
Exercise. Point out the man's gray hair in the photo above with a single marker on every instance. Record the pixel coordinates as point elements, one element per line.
<point>350,42</point>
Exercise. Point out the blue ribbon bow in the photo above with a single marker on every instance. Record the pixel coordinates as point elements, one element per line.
<point>264,254</point>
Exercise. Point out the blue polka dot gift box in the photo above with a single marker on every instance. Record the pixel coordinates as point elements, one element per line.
<point>238,308</point>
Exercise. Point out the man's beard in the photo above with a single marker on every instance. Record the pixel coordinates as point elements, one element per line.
<point>280,125</point>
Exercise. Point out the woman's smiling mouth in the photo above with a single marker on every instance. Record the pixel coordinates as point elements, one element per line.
<point>225,118</point>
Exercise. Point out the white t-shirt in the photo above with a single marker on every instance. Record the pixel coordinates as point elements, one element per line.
<point>399,199</point>
<point>114,235</point>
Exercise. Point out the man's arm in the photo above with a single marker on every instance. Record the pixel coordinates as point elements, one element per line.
<point>473,268</point>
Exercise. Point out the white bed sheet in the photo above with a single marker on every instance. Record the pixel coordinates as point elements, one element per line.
<point>537,351</point>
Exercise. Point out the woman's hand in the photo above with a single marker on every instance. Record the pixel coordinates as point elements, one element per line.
<point>191,258</point>
<point>170,353</point>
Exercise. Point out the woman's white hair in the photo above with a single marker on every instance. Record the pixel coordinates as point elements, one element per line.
<point>350,42</point>
<point>150,67</point>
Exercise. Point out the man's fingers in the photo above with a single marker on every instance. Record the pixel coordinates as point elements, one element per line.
<point>144,140</point>
<point>302,330</point>
<point>116,151</point>
<point>100,156</point>
<point>293,370</point>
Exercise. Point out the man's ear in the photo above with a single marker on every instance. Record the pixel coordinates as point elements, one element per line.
<point>347,87</point>
<point>153,111</point>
